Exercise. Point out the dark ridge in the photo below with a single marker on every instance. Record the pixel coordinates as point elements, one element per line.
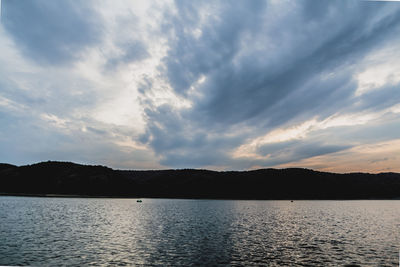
<point>66,178</point>
<point>4,166</point>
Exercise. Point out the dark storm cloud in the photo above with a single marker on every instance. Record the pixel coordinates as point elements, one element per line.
<point>265,66</point>
<point>51,32</point>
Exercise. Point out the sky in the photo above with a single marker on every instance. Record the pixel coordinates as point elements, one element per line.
<point>220,85</point>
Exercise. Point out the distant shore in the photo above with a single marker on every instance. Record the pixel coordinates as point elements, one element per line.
<point>66,179</point>
<point>119,197</point>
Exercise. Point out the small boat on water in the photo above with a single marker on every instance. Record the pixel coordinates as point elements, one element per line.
<point>139,201</point>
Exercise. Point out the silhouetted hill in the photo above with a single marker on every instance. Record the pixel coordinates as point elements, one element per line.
<point>4,166</point>
<point>65,178</point>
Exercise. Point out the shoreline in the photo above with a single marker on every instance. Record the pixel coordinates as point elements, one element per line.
<point>183,198</point>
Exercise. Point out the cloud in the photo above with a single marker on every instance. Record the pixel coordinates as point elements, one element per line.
<point>86,141</point>
<point>131,52</point>
<point>373,157</point>
<point>281,63</point>
<point>295,150</point>
<point>221,84</point>
<point>125,42</point>
<point>51,110</point>
<point>199,48</point>
<point>250,88</point>
<point>52,32</point>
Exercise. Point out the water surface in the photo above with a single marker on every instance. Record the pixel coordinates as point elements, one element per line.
<point>79,231</point>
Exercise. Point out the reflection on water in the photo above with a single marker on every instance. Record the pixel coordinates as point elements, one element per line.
<point>54,231</point>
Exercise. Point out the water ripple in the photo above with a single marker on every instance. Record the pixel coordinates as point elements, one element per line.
<point>75,232</point>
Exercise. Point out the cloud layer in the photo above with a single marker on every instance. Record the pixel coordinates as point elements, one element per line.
<point>220,85</point>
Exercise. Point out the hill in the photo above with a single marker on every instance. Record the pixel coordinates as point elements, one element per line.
<point>66,178</point>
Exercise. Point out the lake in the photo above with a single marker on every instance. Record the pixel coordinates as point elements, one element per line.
<point>98,231</point>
